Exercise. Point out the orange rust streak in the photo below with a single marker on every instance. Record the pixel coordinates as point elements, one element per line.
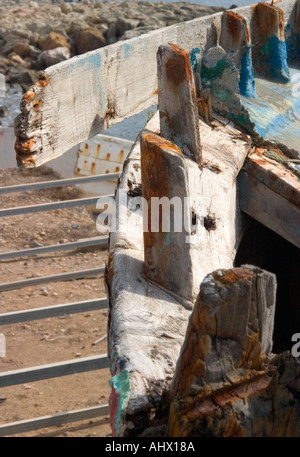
<point>24,146</point>
<point>154,140</point>
<point>234,24</point>
<point>232,277</point>
<point>42,82</point>
<point>98,150</point>
<point>107,156</point>
<point>270,19</point>
<point>28,96</point>
<point>155,92</point>
<point>179,67</point>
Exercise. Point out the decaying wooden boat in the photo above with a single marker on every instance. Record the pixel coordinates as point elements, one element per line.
<point>192,343</point>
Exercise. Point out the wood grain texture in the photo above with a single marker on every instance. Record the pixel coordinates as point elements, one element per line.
<point>79,98</point>
<point>270,193</point>
<point>222,360</point>
<point>165,192</point>
<point>147,323</point>
<point>177,102</point>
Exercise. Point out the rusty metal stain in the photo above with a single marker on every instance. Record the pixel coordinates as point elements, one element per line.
<point>107,156</point>
<point>178,67</point>
<point>269,19</point>
<point>154,140</point>
<point>234,24</point>
<point>43,81</point>
<point>98,150</point>
<point>117,169</point>
<point>93,167</point>
<point>28,96</point>
<point>24,146</point>
<point>155,92</point>
<point>121,156</point>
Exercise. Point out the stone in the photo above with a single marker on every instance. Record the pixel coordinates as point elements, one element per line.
<point>124,24</point>
<point>65,8</point>
<point>52,41</point>
<point>53,56</point>
<point>27,78</point>
<point>4,112</point>
<point>88,40</point>
<point>22,49</point>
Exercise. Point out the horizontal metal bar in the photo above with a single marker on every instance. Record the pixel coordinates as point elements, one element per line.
<point>53,420</point>
<point>53,370</point>
<point>58,183</point>
<point>53,278</point>
<point>53,311</point>
<point>54,205</point>
<point>99,241</point>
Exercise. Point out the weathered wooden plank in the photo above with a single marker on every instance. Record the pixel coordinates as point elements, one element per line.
<point>53,370</point>
<point>53,420</point>
<point>97,241</point>
<point>53,278</point>
<point>269,208</point>
<point>177,102</point>
<point>236,39</point>
<point>81,97</point>
<point>165,192</point>
<point>223,357</point>
<point>52,311</point>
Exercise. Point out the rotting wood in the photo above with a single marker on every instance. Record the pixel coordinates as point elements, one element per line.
<point>236,39</point>
<point>165,192</point>
<point>223,358</point>
<point>177,102</point>
<point>270,53</point>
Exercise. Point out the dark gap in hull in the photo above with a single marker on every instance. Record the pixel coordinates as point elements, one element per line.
<point>262,247</point>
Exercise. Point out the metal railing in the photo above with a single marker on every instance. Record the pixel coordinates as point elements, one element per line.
<point>68,367</point>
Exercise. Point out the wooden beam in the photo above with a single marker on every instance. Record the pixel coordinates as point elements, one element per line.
<point>177,102</point>
<point>270,51</point>
<point>223,357</point>
<point>54,420</point>
<point>78,98</point>
<point>236,39</point>
<point>165,191</point>
<point>270,193</point>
